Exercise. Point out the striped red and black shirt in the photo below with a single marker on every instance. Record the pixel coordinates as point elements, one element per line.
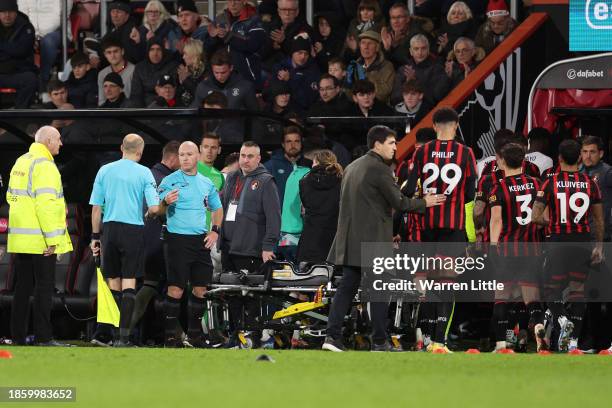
<point>516,195</point>
<point>569,197</point>
<point>445,167</point>
<point>491,168</point>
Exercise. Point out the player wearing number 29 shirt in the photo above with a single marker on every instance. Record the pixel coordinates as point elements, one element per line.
<point>444,166</point>
<point>571,198</point>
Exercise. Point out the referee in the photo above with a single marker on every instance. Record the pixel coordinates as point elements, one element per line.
<point>187,195</point>
<point>122,187</point>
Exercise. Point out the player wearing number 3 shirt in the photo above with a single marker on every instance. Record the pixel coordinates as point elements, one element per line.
<point>445,166</point>
<point>565,203</point>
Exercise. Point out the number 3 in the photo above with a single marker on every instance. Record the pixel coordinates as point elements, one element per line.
<point>437,172</point>
<point>524,200</point>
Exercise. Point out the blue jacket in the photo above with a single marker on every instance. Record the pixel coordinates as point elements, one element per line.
<point>303,81</point>
<point>280,168</point>
<point>245,39</point>
<point>17,46</point>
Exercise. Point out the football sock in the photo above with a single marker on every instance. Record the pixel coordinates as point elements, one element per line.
<point>172,309</point>
<point>500,320</point>
<point>535,313</point>
<point>143,297</point>
<point>127,308</point>
<point>195,310</point>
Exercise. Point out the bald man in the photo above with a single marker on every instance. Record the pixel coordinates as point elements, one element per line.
<point>36,234</point>
<point>121,187</point>
<point>187,195</point>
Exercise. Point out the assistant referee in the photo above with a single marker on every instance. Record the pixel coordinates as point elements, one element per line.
<point>187,195</point>
<point>121,187</point>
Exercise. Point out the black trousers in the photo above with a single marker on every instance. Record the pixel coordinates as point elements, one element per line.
<point>341,304</point>
<point>34,273</point>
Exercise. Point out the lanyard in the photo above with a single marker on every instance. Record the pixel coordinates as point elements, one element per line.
<point>238,188</point>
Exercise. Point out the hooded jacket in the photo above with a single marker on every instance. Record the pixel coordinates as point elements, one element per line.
<point>244,40</point>
<point>240,94</point>
<point>303,81</point>
<point>83,92</point>
<point>146,75</point>
<point>320,196</point>
<point>258,215</point>
<point>17,46</point>
<point>333,44</point>
<point>280,168</point>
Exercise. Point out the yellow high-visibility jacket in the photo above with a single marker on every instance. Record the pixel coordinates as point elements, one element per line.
<point>37,214</point>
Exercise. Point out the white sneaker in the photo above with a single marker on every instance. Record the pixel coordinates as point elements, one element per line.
<point>567,327</point>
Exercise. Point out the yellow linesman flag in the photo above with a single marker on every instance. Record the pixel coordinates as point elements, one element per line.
<point>108,312</point>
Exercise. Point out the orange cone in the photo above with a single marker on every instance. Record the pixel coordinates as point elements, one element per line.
<point>472,351</point>
<point>5,354</point>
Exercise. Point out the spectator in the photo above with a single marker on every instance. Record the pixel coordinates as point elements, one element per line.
<point>414,107</point>
<point>336,67</point>
<point>46,19</point>
<point>239,92</point>
<point>192,71</point>
<point>291,214</point>
<point>328,39</point>
<point>369,18</point>
<point>157,24</point>
<point>82,83</point>
<point>58,93</point>
<point>189,21</point>
<point>239,30</point>
<point>113,87</point>
<point>373,65</point>
<point>115,54</point>
<point>396,39</point>
<point>424,68</point>
<point>300,72</point>
<point>498,26</point>
<point>459,23</point>
<point>278,102</point>
<point>320,197</point>
<point>316,140</point>
<point>286,159</point>
<point>159,62</point>
<point>230,164</point>
<point>165,91</point>
<point>124,30</point>
<point>462,60</point>
<point>218,126</point>
<point>283,28</point>
<point>17,69</point>
<point>366,105</point>
<point>332,103</point>
<point>435,9</point>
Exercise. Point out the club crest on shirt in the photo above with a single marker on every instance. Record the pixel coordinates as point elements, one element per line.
<point>254,185</point>
<point>235,92</point>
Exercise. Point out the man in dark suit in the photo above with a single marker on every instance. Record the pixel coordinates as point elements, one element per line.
<point>368,195</point>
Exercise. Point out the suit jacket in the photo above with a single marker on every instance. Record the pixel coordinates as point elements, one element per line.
<point>367,196</point>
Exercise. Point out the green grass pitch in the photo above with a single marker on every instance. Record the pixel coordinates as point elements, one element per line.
<point>114,378</point>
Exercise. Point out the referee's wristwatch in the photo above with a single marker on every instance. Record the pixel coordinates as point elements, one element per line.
<point>215,228</point>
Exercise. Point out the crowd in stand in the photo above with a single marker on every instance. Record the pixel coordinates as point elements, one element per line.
<point>363,58</point>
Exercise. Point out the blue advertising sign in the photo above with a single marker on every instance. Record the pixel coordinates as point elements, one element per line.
<point>590,25</point>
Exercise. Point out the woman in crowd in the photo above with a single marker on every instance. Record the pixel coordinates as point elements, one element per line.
<point>156,23</point>
<point>459,23</point>
<point>462,60</point>
<point>192,71</point>
<point>320,195</point>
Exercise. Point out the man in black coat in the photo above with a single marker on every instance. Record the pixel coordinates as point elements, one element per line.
<point>17,69</point>
<point>332,103</point>
<point>368,196</point>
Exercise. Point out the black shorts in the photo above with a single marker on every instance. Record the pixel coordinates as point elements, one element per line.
<point>568,258</point>
<point>515,270</point>
<point>123,250</point>
<point>187,260</point>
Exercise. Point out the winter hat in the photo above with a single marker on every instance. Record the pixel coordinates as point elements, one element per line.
<point>497,8</point>
<point>115,78</point>
<point>186,5</point>
<point>120,5</point>
<point>276,88</point>
<point>8,5</point>
<point>166,80</point>
<point>300,44</point>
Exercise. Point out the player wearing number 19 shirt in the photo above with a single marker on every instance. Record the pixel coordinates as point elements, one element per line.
<point>565,203</point>
<point>445,166</point>
<point>514,242</point>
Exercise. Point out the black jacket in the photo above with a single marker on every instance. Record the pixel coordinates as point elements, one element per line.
<point>332,45</point>
<point>153,226</point>
<point>337,107</point>
<point>429,74</point>
<point>83,93</point>
<point>145,78</point>
<point>320,195</point>
<point>269,55</point>
<point>258,216</point>
<point>133,52</point>
<point>17,46</point>
<point>360,128</point>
